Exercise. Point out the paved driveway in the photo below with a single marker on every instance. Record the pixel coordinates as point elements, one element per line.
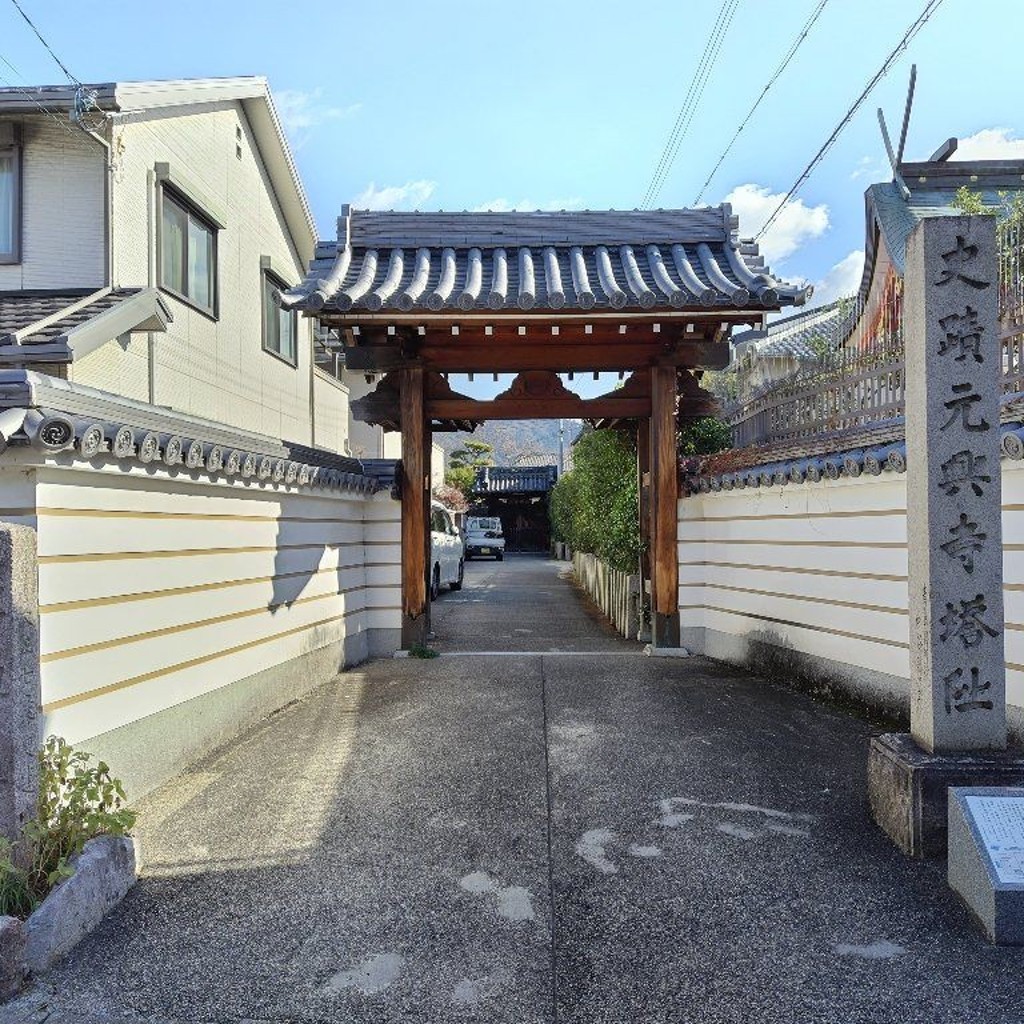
<point>581,837</point>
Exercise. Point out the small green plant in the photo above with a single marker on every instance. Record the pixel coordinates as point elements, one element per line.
<point>77,802</point>
<point>422,651</point>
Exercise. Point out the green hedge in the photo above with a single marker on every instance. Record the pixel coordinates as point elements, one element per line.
<point>595,507</point>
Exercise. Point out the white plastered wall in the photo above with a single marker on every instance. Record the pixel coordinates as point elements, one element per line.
<point>820,569</point>
<point>157,588</point>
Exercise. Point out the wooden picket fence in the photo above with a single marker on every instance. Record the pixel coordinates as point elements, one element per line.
<point>616,593</point>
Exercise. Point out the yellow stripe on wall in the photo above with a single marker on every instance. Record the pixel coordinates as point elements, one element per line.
<point>113,556</point>
<point>793,569</point>
<point>797,625</point>
<point>123,684</point>
<point>801,597</point>
<point>198,588</point>
<point>134,638</point>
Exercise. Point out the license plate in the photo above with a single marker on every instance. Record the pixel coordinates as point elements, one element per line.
<point>485,551</point>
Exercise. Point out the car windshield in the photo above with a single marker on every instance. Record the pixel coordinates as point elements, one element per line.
<point>488,524</point>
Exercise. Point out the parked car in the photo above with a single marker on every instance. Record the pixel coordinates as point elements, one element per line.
<point>484,537</point>
<point>447,551</point>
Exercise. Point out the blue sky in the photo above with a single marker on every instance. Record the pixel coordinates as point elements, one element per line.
<point>568,103</point>
<point>564,103</point>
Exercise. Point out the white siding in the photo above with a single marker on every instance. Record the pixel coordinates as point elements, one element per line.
<point>63,241</point>
<point>330,413</point>
<point>212,368</point>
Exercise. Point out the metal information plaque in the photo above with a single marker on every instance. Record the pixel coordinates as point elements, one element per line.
<point>1000,822</point>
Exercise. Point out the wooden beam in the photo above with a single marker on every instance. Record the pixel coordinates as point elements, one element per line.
<point>664,505</point>
<point>415,506</point>
<point>562,356</point>
<point>538,409</point>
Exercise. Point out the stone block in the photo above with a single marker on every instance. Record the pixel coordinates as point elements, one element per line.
<point>20,716</point>
<point>104,872</point>
<point>12,956</point>
<point>907,788</point>
<point>955,552</point>
<point>986,858</point>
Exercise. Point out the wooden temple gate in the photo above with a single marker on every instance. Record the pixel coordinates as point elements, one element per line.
<point>419,296</point>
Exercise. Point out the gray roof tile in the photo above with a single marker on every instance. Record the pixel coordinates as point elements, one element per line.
<point>21,311</point>
<point>640,260</point>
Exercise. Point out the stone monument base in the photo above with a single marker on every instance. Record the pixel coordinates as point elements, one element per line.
<point>907,788</point>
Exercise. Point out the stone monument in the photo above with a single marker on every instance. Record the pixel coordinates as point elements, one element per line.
<point>955,552</point>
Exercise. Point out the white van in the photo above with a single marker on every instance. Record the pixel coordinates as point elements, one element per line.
<point>446,551</point>
<point>484,537</point>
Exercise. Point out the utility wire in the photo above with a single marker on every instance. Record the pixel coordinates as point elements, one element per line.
<point>32,99</point>
<point>929,9</point>
<point>60,63</point>
<point>790,54</point>
<point>691,100</point>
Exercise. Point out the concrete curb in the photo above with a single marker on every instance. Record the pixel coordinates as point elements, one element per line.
<point>665,652</point>
<point>104,872</point>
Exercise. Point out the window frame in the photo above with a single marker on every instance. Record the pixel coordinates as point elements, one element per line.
<point>194,211</point>
<point>14,149</point>
<point>269,278</point>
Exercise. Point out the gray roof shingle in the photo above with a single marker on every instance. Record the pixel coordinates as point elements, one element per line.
<point>21,311</point>
<point>802,335</point>
<point>580,260</point>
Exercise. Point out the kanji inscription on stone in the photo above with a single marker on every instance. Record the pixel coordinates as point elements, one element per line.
<point>957,671</point>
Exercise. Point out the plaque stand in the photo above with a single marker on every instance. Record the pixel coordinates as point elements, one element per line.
<point>986,859</point>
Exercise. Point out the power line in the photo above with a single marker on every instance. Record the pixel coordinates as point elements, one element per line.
<point>790,54</point>
<point>692,99</point>
<point>929,9</point>
<point>32,99</point>
<point>39,36</point>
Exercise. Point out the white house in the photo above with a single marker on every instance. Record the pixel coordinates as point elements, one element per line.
<point>184,536</point>
<point>144,227</point>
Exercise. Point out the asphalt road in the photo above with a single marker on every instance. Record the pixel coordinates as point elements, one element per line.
<point>574,837</point>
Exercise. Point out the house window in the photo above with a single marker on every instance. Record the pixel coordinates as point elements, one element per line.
<point>10,200</point>
<point>188,253</point>
<point>278,324</point>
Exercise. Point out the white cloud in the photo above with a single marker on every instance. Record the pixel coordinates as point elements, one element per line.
<point>870,167</point>
<point>990,144</point>
<point>301,111</point>
<point>409,196</point>
<point>505,205</point>
<point>843,279</point>
<point>796,224</point>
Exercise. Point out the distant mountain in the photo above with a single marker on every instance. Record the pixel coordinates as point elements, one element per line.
<point>514,438</point>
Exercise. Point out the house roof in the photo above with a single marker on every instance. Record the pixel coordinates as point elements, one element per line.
<point>799,336</point>
<point>579,260</point>
<point>892,213</point>
<point>56,326</point>
<point>141,98</point>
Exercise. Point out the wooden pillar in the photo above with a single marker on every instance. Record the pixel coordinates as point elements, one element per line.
<point>664,509</point>
<point>415,507</point>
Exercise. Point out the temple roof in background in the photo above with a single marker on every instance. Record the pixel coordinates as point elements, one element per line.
<point>800,336</point>
<point>928,189</point>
